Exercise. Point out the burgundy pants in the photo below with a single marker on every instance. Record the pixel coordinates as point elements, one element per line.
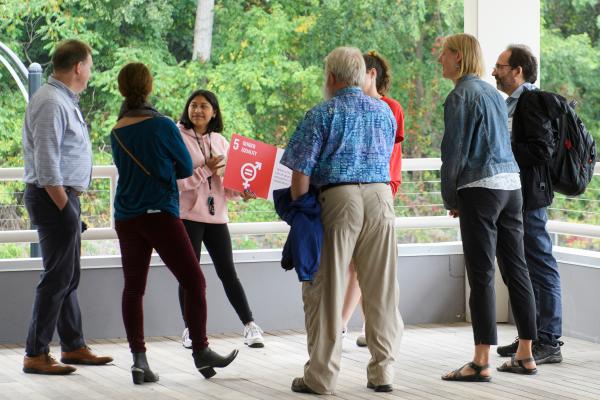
<point>165,233</point>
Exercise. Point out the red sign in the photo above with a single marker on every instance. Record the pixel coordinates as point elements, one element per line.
<point>254,166</point>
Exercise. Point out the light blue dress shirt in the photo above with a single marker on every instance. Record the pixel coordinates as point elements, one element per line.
<point>56,145</point>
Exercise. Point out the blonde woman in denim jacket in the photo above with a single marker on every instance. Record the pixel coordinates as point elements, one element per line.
<point>481,187</point>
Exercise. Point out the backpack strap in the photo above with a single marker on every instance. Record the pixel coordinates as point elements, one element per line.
<point>136,161</point>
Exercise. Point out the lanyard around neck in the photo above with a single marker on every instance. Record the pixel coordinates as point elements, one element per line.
<point>204,153</point>
<point>202,146</point>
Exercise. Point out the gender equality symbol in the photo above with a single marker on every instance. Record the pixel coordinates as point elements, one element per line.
<point>249,173</point>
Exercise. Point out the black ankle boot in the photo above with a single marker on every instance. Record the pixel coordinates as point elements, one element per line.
<point>206,360</point>
<point>140,370</point>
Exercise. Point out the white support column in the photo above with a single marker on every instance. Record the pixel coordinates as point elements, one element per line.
<point>496,25</point>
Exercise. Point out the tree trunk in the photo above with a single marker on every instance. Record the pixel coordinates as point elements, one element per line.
<point>203,30</point>
<point>419,88</point>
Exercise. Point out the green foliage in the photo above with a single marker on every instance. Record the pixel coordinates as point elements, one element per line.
<point>252,211</point>
<point>14,250</point>
<point>266,69</point>
<point>572,17</point>
<point>266,65</point>
<point>577,78</point>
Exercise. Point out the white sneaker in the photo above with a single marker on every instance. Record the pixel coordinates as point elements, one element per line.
<point>344,332</point>
<point>185,339</point>
<point>253,335</point>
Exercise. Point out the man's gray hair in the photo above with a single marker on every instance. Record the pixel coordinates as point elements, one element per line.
<point>347,65</point>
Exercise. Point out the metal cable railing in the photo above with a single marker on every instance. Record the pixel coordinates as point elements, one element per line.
<point>412,212</point>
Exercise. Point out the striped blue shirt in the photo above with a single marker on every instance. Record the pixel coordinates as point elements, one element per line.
<point>348,138</point>
<point>56,144</point>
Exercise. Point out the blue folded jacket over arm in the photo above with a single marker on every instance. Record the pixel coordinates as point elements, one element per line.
<point>302,249</point>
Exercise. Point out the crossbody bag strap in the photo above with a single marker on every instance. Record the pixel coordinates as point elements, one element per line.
<point>138,162</point>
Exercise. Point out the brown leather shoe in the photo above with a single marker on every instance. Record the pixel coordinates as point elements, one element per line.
<point>83,356</point>
<point>45,364</point>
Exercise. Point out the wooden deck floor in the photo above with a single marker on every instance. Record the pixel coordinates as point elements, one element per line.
<point>426,352</point>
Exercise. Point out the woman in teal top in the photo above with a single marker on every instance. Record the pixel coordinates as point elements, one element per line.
<point>157,145</point>
<point>150,155</point>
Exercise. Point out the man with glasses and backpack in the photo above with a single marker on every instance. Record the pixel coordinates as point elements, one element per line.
<point>533,147</point>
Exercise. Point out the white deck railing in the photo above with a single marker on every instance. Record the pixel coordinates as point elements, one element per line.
<point>415,164</point>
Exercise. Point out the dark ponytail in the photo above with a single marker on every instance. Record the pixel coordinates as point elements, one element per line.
<point>135,84</point>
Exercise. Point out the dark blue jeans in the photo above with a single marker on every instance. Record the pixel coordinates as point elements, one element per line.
<point>55,305</point>
<point>544,274</point>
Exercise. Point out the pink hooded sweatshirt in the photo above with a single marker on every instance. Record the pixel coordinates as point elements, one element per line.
<point>194,191</point>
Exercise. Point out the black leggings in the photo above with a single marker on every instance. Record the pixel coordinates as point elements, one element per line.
<point>491,225</point>
<point>217,240</point>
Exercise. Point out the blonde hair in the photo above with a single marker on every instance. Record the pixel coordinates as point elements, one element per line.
<point>470,50</point>
<point>347,65</point>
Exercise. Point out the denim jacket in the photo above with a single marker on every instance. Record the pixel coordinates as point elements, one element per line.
<point>476,141</point>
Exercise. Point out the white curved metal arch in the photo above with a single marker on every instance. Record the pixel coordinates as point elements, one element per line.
<point>16,77</point>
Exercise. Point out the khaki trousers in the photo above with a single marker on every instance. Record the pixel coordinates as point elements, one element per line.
<point>358,222</point>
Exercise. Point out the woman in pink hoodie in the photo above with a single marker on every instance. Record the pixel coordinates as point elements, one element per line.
<point>203,203</point>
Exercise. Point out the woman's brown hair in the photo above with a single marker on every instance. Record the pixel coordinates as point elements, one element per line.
<point>384,72</point>
<point>135,84</point>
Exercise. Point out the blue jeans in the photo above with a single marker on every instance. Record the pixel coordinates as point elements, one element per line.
<point>544,274</point>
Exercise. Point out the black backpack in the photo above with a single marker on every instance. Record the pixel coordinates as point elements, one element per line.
<point>574,158</point>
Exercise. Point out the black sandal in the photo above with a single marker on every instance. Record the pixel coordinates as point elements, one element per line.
<point>518,366</point>
<point>457,375</point>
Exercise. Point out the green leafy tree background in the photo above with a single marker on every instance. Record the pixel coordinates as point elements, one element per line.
<point>266,68</point>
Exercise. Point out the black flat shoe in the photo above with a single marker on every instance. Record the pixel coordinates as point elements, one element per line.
<point>518,366</point>
<point>207,360</point>
<point>457,375</point>
<point>379,388</point>
<point>299,386</point>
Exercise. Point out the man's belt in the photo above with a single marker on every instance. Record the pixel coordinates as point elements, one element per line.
<point>332,185</point>
<point>68,189</point>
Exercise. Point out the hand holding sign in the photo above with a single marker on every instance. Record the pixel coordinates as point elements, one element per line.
<point>214,163</point>
<point>248,195</point>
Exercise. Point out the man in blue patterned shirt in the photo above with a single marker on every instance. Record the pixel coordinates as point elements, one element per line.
<point>343,146</point>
